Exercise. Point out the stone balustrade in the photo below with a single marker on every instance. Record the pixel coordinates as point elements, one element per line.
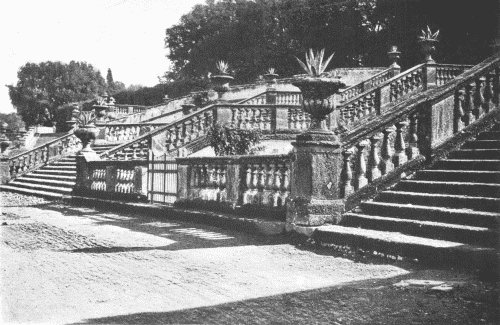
<point>127,132</point>
<point>13,167</point>
<point>373,102</point>
<point>235,182</point>
<point>126,180</point>
<point>353,91</point>
<point>403,139</point>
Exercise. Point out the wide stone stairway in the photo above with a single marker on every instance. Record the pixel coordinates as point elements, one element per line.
<point>52,180</point>
<point>451,208</point>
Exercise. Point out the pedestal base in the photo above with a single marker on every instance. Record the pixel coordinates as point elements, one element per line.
<point>313,212</point>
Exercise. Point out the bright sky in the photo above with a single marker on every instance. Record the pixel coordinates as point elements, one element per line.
<point>124,35</point>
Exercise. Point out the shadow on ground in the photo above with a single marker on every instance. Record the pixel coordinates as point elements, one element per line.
<point>364,302</point>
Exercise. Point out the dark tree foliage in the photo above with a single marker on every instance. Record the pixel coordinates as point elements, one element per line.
<point>255,35</point>
<point>13,121</point>
<point>43,87</point>
<point>109,78</point>
<point>228,141</point>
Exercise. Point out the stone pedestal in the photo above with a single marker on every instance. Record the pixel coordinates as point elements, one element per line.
<point>82,170</point>
<point>315,190</point>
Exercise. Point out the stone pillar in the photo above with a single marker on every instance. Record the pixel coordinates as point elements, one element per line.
<point>82,170</point>
<point>394,55</point>
<point>233,182</point>
<point>315,188</point>
<point>223,115</point>
<point>182,181</point>
<point>4,170</point>
<point>430,76</point>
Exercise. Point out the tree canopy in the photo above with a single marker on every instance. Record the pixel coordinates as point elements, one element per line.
<point>255,35</point>
<point>43,87</point>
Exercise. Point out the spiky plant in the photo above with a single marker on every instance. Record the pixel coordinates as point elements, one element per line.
<point>428,35</point>
<point>84,118</point>
<point>271,71</point>
<point>222,67</point>
<point>314,64</point>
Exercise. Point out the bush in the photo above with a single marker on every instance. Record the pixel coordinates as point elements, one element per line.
<point>228,141</point>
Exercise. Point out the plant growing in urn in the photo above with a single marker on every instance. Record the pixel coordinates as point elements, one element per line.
<point>86,130</point>
<point>428,41</point>
<point>317,91</point>
<point>271,76</point>
<point>222,78</point>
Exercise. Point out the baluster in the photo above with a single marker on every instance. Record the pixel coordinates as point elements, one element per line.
<point>386,164</point>
<point>468,106</point>
<point>413,151</point>
<point>488,93</point>
<point>399,145</point>
<point>374,159</point>
<point>361,179</point>
<point>347,188</point>
<point>270,184</point>
<point>178,136</point>
<point>285,184</point>
<point>478,97</point>
<point>248,182</point>
<point>496,87</point>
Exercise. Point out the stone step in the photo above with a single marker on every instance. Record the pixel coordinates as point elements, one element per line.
<point>490,204</point>
<point>428,229</point>
<point>469,164</point>
<point>64,163</point>
<point>475,154</point>
<point>46,181</point>
<point>41,187</point>
<point>447,187</point>
<point>55,172</point>
<point>491,135</point>
<point>458,175</point>
<point>28,191</point>
<point>430,213</point>
<point>59,167</point>
<point>482,144</point>
<point>65,178</point>
<point>397,244</point>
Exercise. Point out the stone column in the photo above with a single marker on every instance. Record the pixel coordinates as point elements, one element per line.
<point>315,182</point>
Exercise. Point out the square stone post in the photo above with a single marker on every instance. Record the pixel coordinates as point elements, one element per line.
<point>183,171</point>
<point>82,170</point>
<point>223,115</point>
<point>4,170</point>
<point>233,182</point>
<point>430,76</point>
<point>281,118</point>
<point>315,182</point>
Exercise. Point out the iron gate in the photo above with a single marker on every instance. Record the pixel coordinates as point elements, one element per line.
<point>162,179</point>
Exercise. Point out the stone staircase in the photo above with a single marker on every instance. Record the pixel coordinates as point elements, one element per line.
<point>53,180</point>
<point>447,212</point>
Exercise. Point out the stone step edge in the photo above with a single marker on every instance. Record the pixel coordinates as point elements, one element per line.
<point>35,180</point>
<point>21,190</point>
<point>49,176</point>
<point>452,183</point>
<point>434,208</point>
<point>402,245</point>
<point>418,222</point>
<point>443,196</point>
<point>40,186</point>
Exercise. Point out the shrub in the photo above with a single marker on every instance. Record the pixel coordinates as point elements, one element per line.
<point>230,141</point>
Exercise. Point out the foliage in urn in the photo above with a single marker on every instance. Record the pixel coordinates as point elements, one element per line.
<point>227,141</point>
<point>222,67</point>
<point>314,65</point>
<point>428,35</point>
<point>271,71</point>
<point>84,119</point>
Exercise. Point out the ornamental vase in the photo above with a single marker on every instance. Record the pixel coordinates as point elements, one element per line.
<point>86,134</point>
<point>318,99</point>
<point>428,48</point>
<point>221,83</point>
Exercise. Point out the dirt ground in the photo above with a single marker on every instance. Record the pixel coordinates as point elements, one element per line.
<point>72,265</point>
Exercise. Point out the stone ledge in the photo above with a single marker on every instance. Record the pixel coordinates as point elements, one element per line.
<point>222,220</point>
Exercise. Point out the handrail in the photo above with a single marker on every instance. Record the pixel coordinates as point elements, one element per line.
<point>364,82</point>
<point>154,132</point>
<point>411,104</point>
<point>70,133</point>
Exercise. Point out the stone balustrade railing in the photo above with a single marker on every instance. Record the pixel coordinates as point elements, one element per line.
<point>415,80</point>
<point>127,132</point>
<point>23,163</point>
<point>261,182</point>
<point>121,109</point>
<point>353,91</point>
<point>114,180</point>
<point>166,138</point>
<point>408,134</point>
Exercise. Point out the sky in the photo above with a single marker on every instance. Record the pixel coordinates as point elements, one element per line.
<point>124,35</point>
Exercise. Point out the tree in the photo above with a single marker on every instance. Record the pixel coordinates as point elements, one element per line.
<point>14,122</point>
<point>43,87</point>
<point>112,86</point>
<point>109,78</point>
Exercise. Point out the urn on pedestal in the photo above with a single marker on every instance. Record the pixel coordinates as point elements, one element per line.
<point>221,79</point>
<point>428,42</point>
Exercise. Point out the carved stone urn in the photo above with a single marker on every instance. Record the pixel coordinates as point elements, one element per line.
<point>221,83</point>
<point>87,134</point>
<point>188,108</point>
<point>318,100</point>
<point>270,78</point>
<point>428,48</point>
<point>4,145</point>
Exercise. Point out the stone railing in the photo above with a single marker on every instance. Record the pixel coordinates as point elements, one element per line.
<point>275,97</point>
<point>236,182</point>
<point>127,132</point>
<point>123,109</point>
<point>410,82</point>
<point>353,91</point>
<point>37,157</point>
<point>418,129</point>
<point>166,138</point>
<point>125,180</point>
